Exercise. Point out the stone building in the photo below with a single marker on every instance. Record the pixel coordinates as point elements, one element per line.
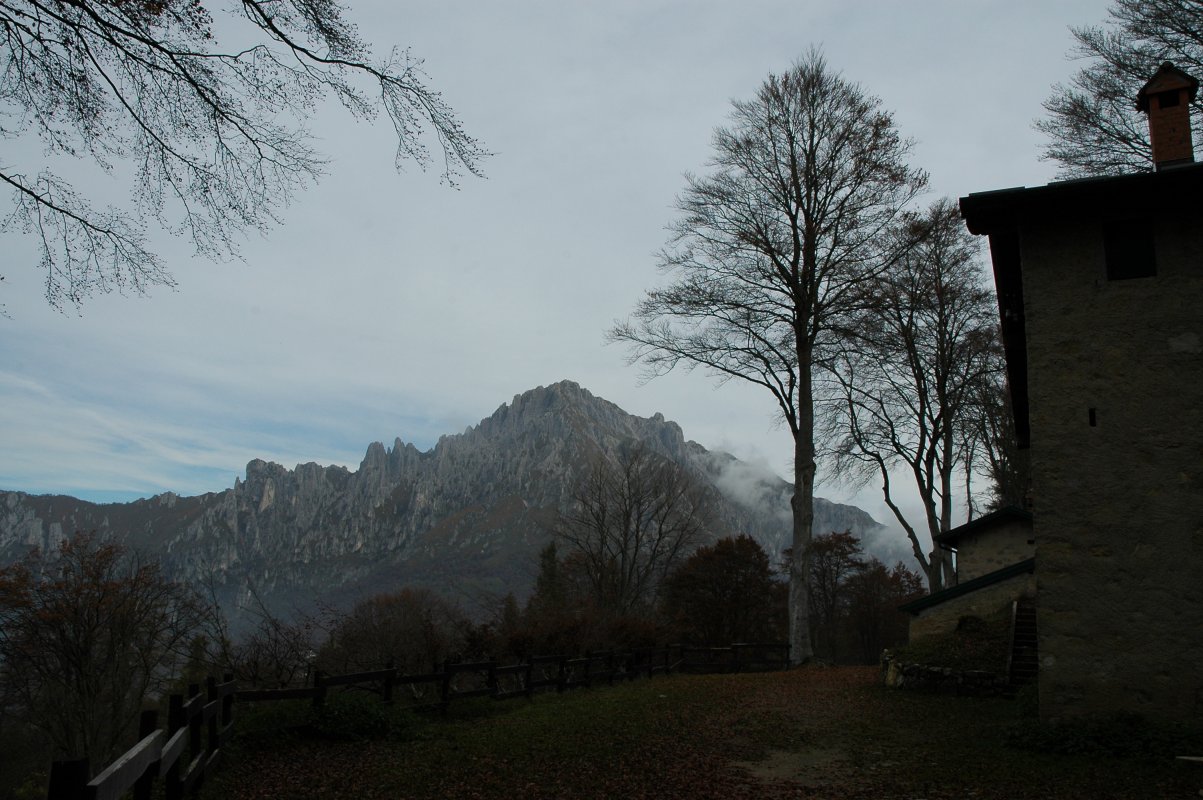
<point>1100,289</point>
<point>989,543</point>
<point>994,571</point>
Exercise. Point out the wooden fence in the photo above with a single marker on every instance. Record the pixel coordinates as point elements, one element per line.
<point>456,681</point>
<point>159,753</point>
<point>741,657</point>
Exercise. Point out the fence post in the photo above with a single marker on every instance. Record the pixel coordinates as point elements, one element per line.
<point>491,680</point>
<point>388,681</point>
<point>211,691</point>
<point>445,687</point>
<point>319,689</point>
<point>68,779</point>
<point>175,721</point>
<point>146,726</point>
<point>195,721</point>
<point>227,703</point>
<point>562,678</point>
<point>530,676</point>
<point>735,648</point>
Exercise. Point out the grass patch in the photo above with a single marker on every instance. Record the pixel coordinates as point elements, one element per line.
<point>817,732</point>
<point>358,716</point>
<point>347,716</point>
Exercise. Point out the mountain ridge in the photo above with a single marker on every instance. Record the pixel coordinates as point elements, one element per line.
<point>465,517</point>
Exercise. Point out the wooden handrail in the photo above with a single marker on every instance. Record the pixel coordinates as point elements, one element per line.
<point>122,774</point>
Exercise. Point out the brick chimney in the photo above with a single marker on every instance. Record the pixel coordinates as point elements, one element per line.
<point>1166,99</point>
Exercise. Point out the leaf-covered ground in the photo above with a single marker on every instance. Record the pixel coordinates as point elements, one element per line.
<point>810,733</point>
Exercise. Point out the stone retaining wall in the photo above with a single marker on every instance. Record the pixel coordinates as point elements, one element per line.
<point>942,680</point>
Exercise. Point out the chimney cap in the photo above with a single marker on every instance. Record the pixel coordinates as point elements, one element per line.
<point>1166,79</point>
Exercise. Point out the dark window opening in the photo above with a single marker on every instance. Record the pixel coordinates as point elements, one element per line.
<point>1129,251</point>
<point>1094,420</point>
<point>1169,99</point>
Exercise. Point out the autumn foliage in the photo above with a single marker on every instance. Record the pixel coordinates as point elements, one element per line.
<point>86,636</point>
<point>854,600</point>
<point>413,630</point>
<point>726,593</point>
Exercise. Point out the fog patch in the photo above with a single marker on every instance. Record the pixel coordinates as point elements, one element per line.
<point>751,484</point>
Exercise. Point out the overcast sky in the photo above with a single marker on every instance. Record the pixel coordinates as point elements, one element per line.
<point>389,305</point>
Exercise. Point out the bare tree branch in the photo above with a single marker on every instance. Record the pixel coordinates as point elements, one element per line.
<point>1092,125</point>
<point>215,138</point>
<point>923,343</point>
<point>632,521</point>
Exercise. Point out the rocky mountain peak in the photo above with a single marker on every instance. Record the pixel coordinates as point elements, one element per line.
<point>468,516</point>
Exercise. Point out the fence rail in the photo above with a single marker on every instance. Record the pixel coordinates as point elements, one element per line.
<point>739,657</point>
<point>159,754</point>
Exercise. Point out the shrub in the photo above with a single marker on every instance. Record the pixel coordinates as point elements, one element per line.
<point>976,644</point>
<point>413,630</point>
<point>87,634</point>
<point>725,593</point>
<point>355,716</point>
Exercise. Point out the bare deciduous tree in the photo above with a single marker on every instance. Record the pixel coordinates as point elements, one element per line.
<point>874,594</point>
<point>910,369</point>
<point>856,599</point>
<point>1007,467</point>
<point>85,638</point>
<point>1093,125</point>
<point>768,255</point>
<point>209,117</point>
<point>277,653</point>
<point>412,629</point>
<point>631,523</point>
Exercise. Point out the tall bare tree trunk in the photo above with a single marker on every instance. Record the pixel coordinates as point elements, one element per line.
<point>803,506</point>
<point>802,503</point>
<point>773,251</point>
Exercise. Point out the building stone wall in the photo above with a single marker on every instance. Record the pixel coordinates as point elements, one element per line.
<point>988,550</point>
<point>1116,388</point>
<point>985,602</point>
